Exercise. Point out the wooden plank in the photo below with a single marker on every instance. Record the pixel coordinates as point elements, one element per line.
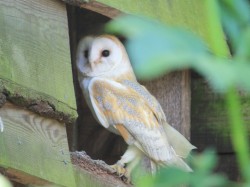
<point>94,173</point>
<point>22,178</point>
<point>34,52</point>
<point>34,151</point>
<point>35,145</point>
<point>96,7</point>
<point>210,126</point>
<point>228,166</point>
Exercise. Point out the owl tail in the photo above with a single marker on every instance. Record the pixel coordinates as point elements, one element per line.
<point>180,146</point>
<point>176,161</point>
<point>179,163</point>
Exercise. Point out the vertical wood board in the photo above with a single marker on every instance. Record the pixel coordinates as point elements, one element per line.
<point>34,49</point>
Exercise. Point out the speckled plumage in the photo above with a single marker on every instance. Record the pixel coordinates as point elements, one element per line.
<point>124,106</point>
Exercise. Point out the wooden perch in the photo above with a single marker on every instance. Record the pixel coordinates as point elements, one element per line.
<point>96,7</point>
<point>97,170</point>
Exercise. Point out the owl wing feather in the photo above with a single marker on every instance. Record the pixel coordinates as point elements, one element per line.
<point>179,143</point>
<point>135,114</point>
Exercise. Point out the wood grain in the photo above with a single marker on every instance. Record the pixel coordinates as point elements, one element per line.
<point>87,170</point>
<point>35,145</point>
<point>34,51</point>
<point>23,178</point>
<point>34,151</point>
<point>210,126</point>
<point>96,7</point>
<point>227,165</point>
<point>102,9</point>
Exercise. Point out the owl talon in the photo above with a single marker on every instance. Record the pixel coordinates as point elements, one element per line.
<point>119,169</point>
<point>122,172</point>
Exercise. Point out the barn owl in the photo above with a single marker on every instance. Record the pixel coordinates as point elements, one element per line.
<point>125,107</point>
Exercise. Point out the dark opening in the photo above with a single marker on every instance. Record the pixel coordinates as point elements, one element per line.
<point>87,135</point>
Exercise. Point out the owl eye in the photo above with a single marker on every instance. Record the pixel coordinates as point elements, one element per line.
<point>105,53</point>
<point>86,53</point>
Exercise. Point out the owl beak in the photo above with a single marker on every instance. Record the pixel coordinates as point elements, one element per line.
<point>92,65</point>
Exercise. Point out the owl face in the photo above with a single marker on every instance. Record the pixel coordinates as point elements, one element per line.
<point>97,56</point>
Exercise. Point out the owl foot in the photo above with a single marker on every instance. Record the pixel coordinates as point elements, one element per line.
<point>119,169</point>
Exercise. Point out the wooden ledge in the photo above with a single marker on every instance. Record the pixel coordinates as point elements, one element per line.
<point>96,7</point>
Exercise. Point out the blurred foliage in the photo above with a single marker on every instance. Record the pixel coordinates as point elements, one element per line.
<point>203,165</point>
<point>4,182</point>
<point>235,16</point>
<point>156,49</point>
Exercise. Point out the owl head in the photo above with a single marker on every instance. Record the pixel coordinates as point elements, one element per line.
<point>101,56</point>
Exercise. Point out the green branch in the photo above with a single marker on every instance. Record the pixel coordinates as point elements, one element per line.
<point>238,132</point>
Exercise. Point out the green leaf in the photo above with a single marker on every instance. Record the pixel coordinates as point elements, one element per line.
<point>205,162</point>
<point>244,46</point>
<point>156,49</point>
<point>172,176</point>
<point>166,177</point>
<point>203,168</point>
<point>223,74</point>
<point>208,181</point>
<point>4,182</point>
<point>139,29</point>
<point>202,176</point>
<point>236,18</point>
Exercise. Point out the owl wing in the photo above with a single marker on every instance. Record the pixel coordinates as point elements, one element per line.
<point>132,111</point>
<point>149,99</point>
<point>180,144</point>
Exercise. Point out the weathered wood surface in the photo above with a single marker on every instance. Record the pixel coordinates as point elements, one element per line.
<point>34,145</point>
<point>34,53</point>
<point>210,125</point>
<point>228,165</point>
<point>34,151</point>
<point>22,178</point>
<point>96,7</point>
<point>88,170</point>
